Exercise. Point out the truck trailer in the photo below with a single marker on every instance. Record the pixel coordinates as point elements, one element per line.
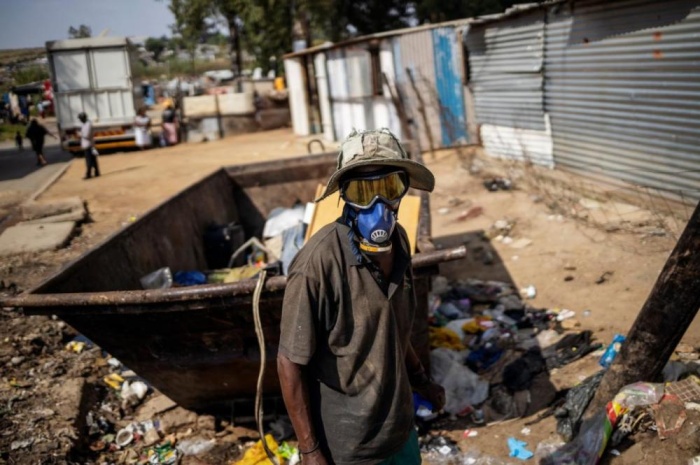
<point>94,75</point>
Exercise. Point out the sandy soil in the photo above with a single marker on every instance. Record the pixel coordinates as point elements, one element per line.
<point>564,260</point>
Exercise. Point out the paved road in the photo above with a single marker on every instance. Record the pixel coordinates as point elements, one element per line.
<point>16,165</point>
<point>20,178</point>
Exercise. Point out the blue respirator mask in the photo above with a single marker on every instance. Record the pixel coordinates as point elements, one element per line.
<point>374,200</point>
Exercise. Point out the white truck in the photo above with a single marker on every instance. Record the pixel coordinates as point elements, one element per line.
<point>94,76</point>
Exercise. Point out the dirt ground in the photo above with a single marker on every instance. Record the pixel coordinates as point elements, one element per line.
<point>599,258</point>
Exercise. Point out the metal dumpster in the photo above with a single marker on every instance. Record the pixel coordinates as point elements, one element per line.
<point>197,344</point>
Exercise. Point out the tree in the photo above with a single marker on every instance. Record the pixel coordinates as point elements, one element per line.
<point>26,75</point>
<point>156,46</point>
<point>190,23</point>
<point>435,11</point>
<point>81,32</point>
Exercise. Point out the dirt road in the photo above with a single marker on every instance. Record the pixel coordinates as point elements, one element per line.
<point>604,274</point>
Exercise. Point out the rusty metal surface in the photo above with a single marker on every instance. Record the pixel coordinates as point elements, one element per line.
<point>197,344</point>
<point>182,298</point>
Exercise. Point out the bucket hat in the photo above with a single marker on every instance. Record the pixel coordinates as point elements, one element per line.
<point>378,147</point>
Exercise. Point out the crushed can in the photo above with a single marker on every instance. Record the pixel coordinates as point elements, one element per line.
<point>612,351</point>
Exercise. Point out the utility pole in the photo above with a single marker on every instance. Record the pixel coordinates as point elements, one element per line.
<point>668,312</point>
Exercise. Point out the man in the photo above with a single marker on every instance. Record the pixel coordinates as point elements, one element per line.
<point>36,133</point>
<point>345,361</point>
<point>87,143</point>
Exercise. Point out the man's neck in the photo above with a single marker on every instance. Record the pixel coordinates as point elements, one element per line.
<point>385,262</point>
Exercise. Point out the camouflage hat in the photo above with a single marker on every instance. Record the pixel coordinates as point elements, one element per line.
<point>377,148</point>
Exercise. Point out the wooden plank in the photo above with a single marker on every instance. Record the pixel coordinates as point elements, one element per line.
<point>330,208</point>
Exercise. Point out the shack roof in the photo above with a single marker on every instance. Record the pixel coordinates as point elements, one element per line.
<point>89,42</point>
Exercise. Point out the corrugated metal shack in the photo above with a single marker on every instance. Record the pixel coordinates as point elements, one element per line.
<point>609,89</point>
<point>604,88</point>
<point>368,81</point>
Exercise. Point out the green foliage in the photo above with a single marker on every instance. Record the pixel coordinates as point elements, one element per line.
<point>173,68</point>
<point>267,28</point>
<point>190,22</point>
<point>8,131</point>
<point>27,74</point>
<point>81,32</point>
<point>157,45</point>
<point>435,11</point>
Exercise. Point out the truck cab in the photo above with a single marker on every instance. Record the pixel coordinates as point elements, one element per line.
<point>94,75</point>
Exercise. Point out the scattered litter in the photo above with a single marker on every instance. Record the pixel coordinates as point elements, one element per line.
<point>443,211</point>
<point>525,431</point>
<point>496,184</point>
<point>687,390</point>
<point>518,450</point>
<point>197,446</point>
<point>470,433</point>
<point>604,277</point>
<point>520,243</point>
<point>438,445</point>
<point>162,278</point>
<point>256,454</point>
<point>612,351</point>
<point>132,393</point>
<point>529,292</point>
<point>615,452</point>
<point>669,415</point>
<point>470,213</point>
<point>114,380</point>
<point>692,406</point>
<point>589,444</point>
<point>565,314</point>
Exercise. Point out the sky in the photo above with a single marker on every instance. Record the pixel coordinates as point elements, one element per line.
<point>30,23</point>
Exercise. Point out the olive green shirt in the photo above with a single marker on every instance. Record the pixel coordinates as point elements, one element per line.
<point>353,337</point>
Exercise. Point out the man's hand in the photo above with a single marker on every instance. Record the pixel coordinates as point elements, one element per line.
<point>433,393</point>
<point>314,458</point>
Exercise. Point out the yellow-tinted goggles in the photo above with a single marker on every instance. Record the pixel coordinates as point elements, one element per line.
<point>363,192</point>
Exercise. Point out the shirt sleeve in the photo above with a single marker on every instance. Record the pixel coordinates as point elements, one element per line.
<point>299,321</point>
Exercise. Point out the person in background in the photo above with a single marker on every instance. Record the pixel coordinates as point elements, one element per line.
<point>169,125</point>
<point>36,134</point>
<point>87,143</point>
<point>18,141</point>
<point>142,128</point>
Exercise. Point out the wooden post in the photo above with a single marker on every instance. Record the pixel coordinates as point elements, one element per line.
<point>421,110</point>
<point>664,318</point>
<point>400,110</point>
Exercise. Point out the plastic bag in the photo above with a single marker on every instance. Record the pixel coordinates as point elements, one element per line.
<point>256,455</point>
<point>462,386</point>
<point>588,446</point>
<point>197,446</point>
<point>577,400</point>
<point>160,279</point>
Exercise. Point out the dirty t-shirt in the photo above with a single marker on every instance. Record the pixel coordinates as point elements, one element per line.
<point>353,337</point>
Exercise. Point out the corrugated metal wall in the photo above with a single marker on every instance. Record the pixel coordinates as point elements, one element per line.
<point>353,102</point>
<point>448,80</point>
<point>506,60</point>
<point>623,90</point>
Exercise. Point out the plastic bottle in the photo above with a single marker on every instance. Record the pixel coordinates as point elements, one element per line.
<point>612,351</point>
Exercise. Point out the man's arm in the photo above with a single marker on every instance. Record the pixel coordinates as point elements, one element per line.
<point>296,397</point>
<point>421,382</point>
